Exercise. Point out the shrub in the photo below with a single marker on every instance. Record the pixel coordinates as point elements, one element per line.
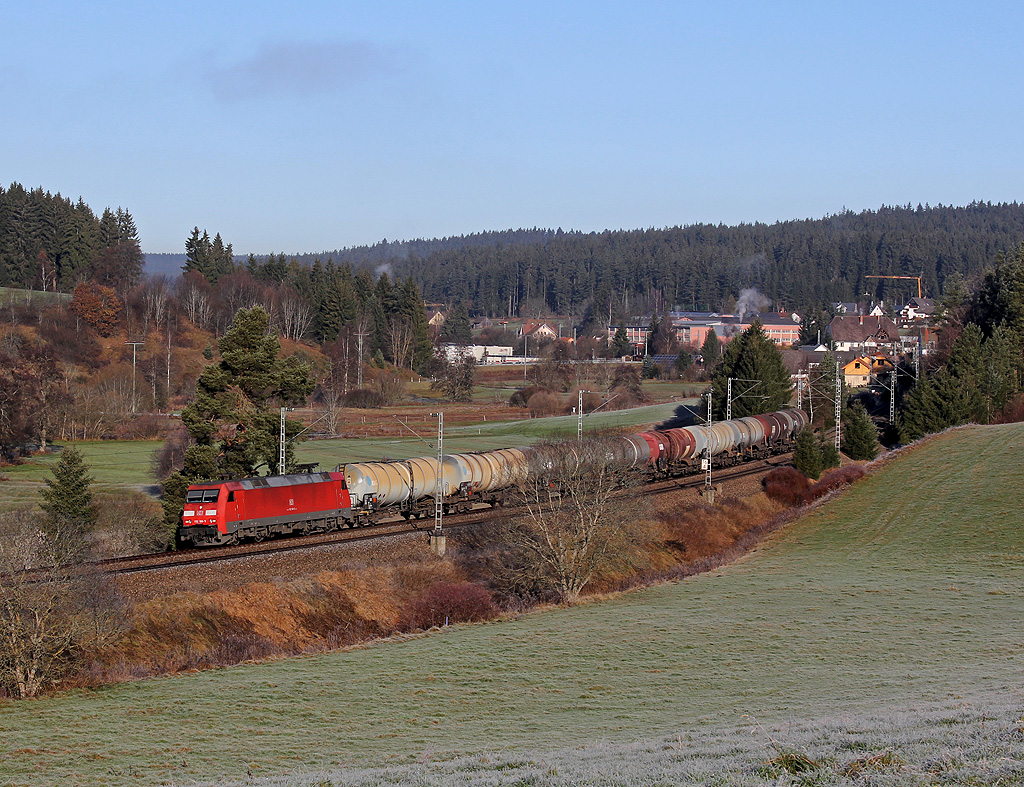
<point>363,398</point>
<point>390,386</point>
<point>521,398</point>
<point>545,403</point>
<point>834,479</point>
<point>450,602</point>
<point>786,485</point>
<point>790,487</point>
<point>170,457</point>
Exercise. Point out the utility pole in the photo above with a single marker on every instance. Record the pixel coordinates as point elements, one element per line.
<point>437,538</point>
<point>839,405</point>
<point>747,393</point>
<point>708,492</point>
<point>134,345</point>
<point>892,396</point>
<point>280,458</point>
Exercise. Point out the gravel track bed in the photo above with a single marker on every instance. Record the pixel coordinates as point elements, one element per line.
<point>142,586</point>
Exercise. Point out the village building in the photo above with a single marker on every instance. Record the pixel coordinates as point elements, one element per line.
<point>537,329</point>
<point>918,309</point>
<point>860,333</point>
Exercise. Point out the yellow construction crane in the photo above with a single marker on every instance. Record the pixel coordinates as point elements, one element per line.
<point>915,278</point>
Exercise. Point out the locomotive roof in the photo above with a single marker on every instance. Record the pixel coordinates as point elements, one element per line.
<point>266,481</point>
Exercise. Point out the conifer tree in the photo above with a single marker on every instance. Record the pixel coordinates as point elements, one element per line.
<point>67,498</point>
<point>620,343</point>
<point>860,439</point>
<point>233,421</point>
<point>807,456</point>
<point>711,350</point>
<point>829,454</point>
<point>749,357</point>
<point>457,328</point>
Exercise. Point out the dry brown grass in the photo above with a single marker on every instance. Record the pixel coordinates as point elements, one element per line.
<point>271,619</point>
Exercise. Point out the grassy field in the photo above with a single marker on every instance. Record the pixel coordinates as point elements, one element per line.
<point>904,593</point>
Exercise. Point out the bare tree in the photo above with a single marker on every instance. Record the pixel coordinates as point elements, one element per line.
<point>296,315</point>
<point>38,625</point>
<point>390,386</point>
<point>578,522</point>
<point>194,296</point>
<point>456,378</point>
<point>400,335</point>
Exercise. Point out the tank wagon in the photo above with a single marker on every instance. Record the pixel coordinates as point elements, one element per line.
<point>360,493</point>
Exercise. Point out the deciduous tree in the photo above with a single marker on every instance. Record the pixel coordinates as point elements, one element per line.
<point>574,524</point>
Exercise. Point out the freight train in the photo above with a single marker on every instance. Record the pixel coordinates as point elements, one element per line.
<point>361,493</point>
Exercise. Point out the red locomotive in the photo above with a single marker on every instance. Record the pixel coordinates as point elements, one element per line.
<point>258,508</point>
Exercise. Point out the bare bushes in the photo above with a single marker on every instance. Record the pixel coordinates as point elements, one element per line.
<point>390,386</point>
<point>790,487</point>
<point>127,523</point>
<point>51,607</point>
<point>546,403</point>
<point>573,527</point>
<point>170,457</point>
<point>451,602</point>
<point>363,398</point>
<point>521,397</point>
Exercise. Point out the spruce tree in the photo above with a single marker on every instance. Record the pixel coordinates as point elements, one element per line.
<point>67,498</point>
<point>457,328</point>
<point>620,343</point>
<point>764,382</point>
<point>829,454</point>
<point>711,350</point>
<point>807,456</point>
<point>860,439</point>
<point>234,420</point>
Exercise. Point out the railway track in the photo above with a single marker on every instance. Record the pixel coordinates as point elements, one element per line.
<point>160,560</point>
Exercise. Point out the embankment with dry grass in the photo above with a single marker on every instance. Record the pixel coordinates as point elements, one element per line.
<point>359,602</point>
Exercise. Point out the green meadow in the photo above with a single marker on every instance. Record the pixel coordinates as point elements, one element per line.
<point>904,592</point>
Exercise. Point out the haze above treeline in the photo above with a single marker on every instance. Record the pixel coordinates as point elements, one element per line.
<point>48,240</point>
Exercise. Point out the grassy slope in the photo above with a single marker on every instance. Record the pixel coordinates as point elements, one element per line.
<point>905,590</point>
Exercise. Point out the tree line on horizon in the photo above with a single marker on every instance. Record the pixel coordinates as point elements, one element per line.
<point>49,243</point>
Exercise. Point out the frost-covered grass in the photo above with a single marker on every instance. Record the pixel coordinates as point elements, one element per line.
<point>900,594</point>
<point>978,742</point>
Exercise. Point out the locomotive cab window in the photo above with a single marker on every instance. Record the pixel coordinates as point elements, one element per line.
<point>210,495</point>
<point>231,496</point>
<point>194,496</point>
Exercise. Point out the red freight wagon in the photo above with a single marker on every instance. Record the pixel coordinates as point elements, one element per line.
<point>222,513</point>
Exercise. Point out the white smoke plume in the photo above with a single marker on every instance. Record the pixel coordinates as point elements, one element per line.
<point>384,267</point>
<point>751,302</point>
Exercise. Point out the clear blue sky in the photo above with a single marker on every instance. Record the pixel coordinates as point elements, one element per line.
<point>316,125</point>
